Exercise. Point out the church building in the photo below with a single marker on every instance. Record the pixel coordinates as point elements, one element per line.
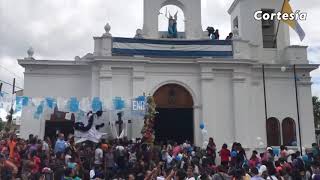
<point>254,89</point>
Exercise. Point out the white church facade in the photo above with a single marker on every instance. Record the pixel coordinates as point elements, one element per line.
<point>240,89</point>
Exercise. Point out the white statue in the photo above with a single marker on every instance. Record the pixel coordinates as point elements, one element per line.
<point>30,53</point>
<point>107,28</point>
<point>138,34</point>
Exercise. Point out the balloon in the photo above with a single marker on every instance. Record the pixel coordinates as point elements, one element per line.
<point>276,151</point>
<point>259,138</point>
<point>234,154</point>
<point>261,143</point>
<point>204,134</point>
<point>205,144</point>
<point>201,126</point>
<point>283,68</point>
<point>179,157</point>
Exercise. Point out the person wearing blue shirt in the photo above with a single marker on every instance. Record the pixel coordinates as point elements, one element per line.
<point>60,145</point>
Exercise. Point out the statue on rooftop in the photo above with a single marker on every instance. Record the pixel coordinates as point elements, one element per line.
<point>172,27</point>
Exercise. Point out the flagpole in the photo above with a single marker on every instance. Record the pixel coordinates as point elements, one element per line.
<point>297,105</point>
<point>276,37</point>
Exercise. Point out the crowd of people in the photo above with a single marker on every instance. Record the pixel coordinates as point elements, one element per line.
<point>121,159</point>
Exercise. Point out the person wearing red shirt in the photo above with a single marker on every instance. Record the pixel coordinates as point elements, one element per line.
<point>225,155</point>
<point>35,171</point>
<point>12,144</point>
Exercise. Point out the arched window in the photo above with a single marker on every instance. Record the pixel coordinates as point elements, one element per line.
<point>273,132</point>
<point>289,132</point>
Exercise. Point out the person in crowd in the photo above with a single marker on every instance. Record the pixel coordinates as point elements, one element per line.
<point>254,159</point>
<point>124,159</point>
<point>216,34</point>
<point>211,150</point>
<point>230,36</point>
<point>224,153</point>
<point>255,174</point>
<point>60,145</point>
<point>190,175</point>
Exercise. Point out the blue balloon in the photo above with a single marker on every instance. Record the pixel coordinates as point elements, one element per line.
<point>234,154</point>
<point>276,151</point>
<point>178,158</point>
<point>201,126</point>
<point>96,104</point>
<point>118,103</point>
<point>74,105</point>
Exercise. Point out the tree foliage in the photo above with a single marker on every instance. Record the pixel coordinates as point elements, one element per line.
<point>316,110</point>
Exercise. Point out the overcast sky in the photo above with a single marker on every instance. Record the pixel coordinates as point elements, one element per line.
<point>63,29</point>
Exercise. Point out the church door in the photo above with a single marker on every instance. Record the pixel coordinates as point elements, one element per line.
<point>175,118</point>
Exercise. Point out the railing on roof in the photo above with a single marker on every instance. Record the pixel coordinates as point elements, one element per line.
<point>171,48</point>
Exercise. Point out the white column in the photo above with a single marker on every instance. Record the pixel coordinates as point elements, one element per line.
<point>306,114</point>
<point>207,102</point>
<point>241,108</point>
<point>138,89</point>
<point>196,119</point>
<point>105,82</point>
<point>95,83</point>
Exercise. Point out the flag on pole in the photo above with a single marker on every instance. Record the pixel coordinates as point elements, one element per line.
<point>292,23</point>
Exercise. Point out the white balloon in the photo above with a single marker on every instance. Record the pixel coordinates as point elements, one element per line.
<point>261,143</point>
<point>283,68</point>
<point>259,138</point>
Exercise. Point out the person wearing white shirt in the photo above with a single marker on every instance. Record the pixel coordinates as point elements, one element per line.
<point>190,175</point>
<point>98,155</point>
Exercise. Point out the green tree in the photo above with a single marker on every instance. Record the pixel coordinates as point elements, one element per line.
<point>316,110</point>
<point>2,124</point>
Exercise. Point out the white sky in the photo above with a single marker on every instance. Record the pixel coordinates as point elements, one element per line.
<point>63,29</point>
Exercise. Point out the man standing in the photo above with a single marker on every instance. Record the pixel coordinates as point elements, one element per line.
<point>98,155</point>
<point>60,145</point>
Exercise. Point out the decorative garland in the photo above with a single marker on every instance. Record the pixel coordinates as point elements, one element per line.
<point>149,122</point>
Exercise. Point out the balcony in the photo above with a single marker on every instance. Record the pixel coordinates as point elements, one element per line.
<point>172,48</point>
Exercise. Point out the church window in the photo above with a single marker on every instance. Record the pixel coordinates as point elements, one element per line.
<point>289,132</point>
<point>273,132</point>
<point>268,30</point>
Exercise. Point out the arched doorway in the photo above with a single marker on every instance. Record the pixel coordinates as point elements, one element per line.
<point>175,118</point>
<point>273,132</point>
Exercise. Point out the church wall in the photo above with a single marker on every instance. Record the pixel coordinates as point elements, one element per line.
<point>51,82</point>
<point>256,125</point>
<point>306,114</point>
<point>58,82</point>
<point>222,113</point>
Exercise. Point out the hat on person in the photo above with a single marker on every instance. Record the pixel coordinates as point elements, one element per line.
<point>269,148</point>
<point>262,169</point>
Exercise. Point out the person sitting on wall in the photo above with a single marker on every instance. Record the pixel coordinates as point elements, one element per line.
<point>216,34</point>
<point>230,36</point>
<point>211,32</point>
